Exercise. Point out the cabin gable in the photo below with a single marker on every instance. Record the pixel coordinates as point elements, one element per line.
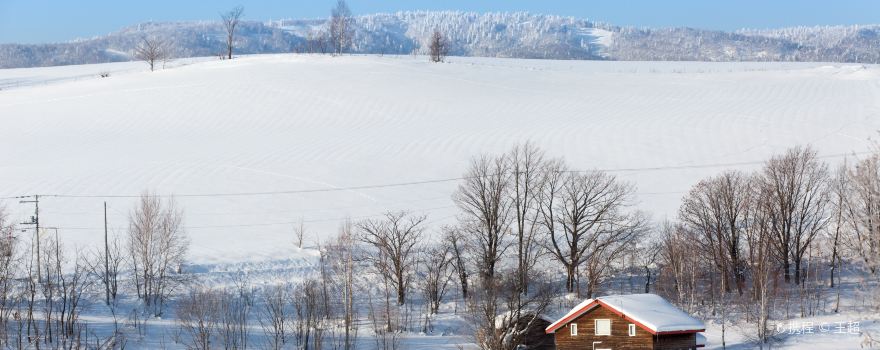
<point>586,333</point>
<point>636,321</point>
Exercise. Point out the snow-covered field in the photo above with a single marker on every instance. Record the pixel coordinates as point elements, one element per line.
<point>253,145</point>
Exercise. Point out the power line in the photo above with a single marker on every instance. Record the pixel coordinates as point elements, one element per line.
<point>416,183</point>
<point>301,213</point>
<point>18,197</point>
<point>715,165</point>
<point>267,193</point>
<point>411,183</point>
<point>270,223</point>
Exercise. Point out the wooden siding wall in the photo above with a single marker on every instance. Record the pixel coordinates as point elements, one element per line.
<point>676,342</point>
<point>619,338</point>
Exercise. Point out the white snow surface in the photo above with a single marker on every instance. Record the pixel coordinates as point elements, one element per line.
<point>653,312</point>
<point>603,37</point>
<point>575,310</point>
<point>279,123</point>
<point>276,123</point>
<point>650,310</point>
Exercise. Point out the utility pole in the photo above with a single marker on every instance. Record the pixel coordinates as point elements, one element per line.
<point>106,259</point>
<point>35,220</point>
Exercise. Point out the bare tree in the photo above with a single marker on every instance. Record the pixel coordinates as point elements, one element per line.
<point>484,200</point>
<point>508,330</point>
<point>158,247</point>
<point>436,272</point>
<point>763,271</point>
<point>438,46</point>
<point>151,51</point>
<point>33,331</point>
<point>394,239</point>
<point>198,313</point>
<point>841,192</point>
<point>610,245</point>
<point>7,229</point>
<point>108,271</point>
<point>863,212</point>
<point>230,21</point>
<point>458,248</point>
<point>678,266</point>
<point>718,208</point>
<point>276,315</point>
<point>341,27</point>
<point>338,264</point>
<point>309,313</point>
<point>587,217</point>
<point>52,261</point>
<point>317,41</point>
<point>10,289</point>
<point>72,286</point>
<point>234,312</point>
<point>299,232</point>
<point>385,326</point>
<point>797,185</point>
<point>528,171</point>
<point>647,254</point>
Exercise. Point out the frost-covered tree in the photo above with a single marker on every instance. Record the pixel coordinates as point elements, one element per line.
<point>157,245</point>
<point>341,27</point>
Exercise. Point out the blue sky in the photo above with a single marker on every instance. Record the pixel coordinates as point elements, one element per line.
<point>35,21</point>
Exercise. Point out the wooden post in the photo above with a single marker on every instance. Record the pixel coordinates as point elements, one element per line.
<point>37,234</point>
<point>106,259</point>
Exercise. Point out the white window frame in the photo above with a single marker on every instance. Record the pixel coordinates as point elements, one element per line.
<point>632,329</point>
<point>596,324</point>
<point>573,328</point>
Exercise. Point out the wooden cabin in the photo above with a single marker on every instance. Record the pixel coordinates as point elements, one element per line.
<point>638,321</point>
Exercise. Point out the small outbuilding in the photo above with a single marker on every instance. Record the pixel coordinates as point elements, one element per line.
<point>535,337</point>
<point>637,321</point>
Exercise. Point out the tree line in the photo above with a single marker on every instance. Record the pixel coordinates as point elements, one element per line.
<point>745,248</point>
<point>772,244</point>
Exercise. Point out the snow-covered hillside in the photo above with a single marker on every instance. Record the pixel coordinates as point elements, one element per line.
<point>253,145</point>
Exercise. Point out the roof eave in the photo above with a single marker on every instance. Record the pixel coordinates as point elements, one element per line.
<point>684,331</point>
<point>562,322</point>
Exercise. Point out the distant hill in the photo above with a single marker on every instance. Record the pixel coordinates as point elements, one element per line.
<point>520,35</point>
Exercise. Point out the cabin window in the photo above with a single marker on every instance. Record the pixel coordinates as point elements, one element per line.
<point>574,329</point>
<point>603,327</point>
<point>632,330</point>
